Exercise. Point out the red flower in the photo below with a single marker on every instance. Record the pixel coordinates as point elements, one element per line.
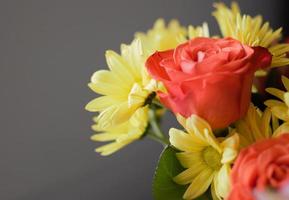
<point>208,77</point>
<point>260,166</point>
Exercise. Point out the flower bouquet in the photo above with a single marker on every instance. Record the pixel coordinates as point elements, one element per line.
<point>233,143</point>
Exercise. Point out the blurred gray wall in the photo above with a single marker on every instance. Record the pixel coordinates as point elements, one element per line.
<point>48,51</point>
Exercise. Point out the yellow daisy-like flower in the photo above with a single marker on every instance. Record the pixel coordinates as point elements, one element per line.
<point>162,37</point>
<point>208,159</point>
<point>256,125</point>
<point>251,31</point>
<point>125,87</point>
<point>122,134</point>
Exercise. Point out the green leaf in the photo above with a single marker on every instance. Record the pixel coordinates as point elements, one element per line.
<point>164,188</point>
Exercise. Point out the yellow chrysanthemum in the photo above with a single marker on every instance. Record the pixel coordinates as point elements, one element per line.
<point>251,31</point>
<point>207,158</point>
<point>162,37</point>
<point>124,87</point>
<point>122,134</point>
<point>256,125</point>
<point>123,115</point>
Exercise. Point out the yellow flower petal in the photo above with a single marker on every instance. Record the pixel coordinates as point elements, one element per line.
<point>115,115</point>
<point>276,92</point>
<point>137,96</point>
<point>230,148</point>
<point>190,174</point>
<point>184,141</point>
<point>286,98</point>
<point>222,182</point>
<point>265,123</point>
<point>182,120</point>
<point>162,37</point>
<point>189,159</point>
<point>100,103</point>
<point>284,128</point>
<point>119,67</point>
<point>229,155</point>
<point>200,184</point>
<point>199,31</point>
<point>214,194</point>
<point>196,124</point>
<point>285,80</point>
<point>273,102</point>
<point>134,56</point>
<point>108,149</point>
<point>254,126</point>
<point>281,112</point>
<point>104,137</point>
<point>105,83</point>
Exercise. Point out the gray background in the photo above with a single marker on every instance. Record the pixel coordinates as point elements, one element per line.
<point>48,51</point>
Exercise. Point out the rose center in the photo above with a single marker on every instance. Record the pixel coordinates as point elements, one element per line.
<point>212,158</point>
<point>277,174</point>
<point>190,61</point>
<point>200,56</point>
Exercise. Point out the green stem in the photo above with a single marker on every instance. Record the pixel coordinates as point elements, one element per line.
<point>156,132</point>
<point>163,141</point>
<point>156,102</point>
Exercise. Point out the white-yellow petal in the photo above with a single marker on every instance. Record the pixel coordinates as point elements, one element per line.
<point>230,148</point>
<point>229,155</point>
<point>222,181</point>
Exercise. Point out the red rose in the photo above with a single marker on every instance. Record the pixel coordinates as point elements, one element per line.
<point>262,165</point>
<point>211,78</point>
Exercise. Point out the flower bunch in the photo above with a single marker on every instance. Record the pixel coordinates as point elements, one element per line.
<point>229,147</point>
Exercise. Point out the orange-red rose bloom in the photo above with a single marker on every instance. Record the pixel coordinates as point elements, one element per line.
<point>211,78</point>
<point>260,166</point>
